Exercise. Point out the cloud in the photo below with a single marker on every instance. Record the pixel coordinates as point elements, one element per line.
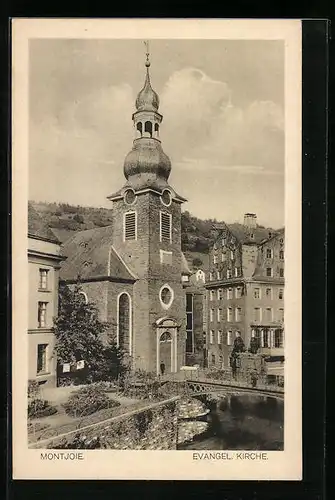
<point>202,121</point>
<point>78,151</point>
<point>77,148</point>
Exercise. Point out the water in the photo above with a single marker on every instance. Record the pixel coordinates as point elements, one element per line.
<point>242,422</point>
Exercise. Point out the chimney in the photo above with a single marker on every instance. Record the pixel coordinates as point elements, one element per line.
<point>250,221</point>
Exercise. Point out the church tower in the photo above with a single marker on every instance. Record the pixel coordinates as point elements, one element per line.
<point>147,236</point>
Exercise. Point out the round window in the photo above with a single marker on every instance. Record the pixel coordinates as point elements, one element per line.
<point>166,296</point>
<point>166,197</point>
<point>129,197</point>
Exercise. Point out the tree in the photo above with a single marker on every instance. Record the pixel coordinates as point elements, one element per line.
<point>238,347</point>
<point>78,330</point>
<point>197,262</point>
<point>254,345</point>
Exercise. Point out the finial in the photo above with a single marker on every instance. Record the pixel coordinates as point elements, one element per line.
<point>147,62</point>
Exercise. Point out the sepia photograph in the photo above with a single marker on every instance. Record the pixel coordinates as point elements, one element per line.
<point>158,259</point>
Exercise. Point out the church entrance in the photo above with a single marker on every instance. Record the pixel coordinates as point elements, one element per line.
<point>165,353</point>
<point>166,346</point>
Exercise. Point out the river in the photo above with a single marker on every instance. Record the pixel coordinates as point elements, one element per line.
<point>242,422</point>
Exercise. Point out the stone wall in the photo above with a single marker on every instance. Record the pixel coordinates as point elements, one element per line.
<point>150,428</point>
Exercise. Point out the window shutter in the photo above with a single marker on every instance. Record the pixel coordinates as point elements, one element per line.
<point>165,227</point>
<point>130,226</point>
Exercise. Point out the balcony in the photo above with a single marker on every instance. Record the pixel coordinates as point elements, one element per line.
<point>272,351</point>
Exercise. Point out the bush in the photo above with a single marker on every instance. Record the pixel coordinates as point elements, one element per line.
<point>88,400</point>
<point>78,218</point>
<point>33,389</point>
<point>106,386</point>
<point>40,408</point>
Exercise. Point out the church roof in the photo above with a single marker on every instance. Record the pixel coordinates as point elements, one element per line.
<point>90,255</point>
<point>38,228</point>
<point>184,265</point>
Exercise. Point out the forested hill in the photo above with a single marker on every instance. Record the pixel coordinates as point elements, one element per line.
<point>65,219</point>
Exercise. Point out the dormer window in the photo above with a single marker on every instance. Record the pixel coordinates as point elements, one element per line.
<point>130,226</point>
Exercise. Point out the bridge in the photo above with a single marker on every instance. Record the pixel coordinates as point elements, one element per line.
<point>196,388</point>
<point>200,384</point>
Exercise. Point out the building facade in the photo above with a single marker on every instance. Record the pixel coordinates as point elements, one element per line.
<point>245,292</point>
<point>44,258</point>
<point>134,270</point>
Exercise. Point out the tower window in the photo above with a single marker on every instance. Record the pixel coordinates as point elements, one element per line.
<point>130,226</point>
<point>148,128</point>
<point>165,226</point>
<point>139,127</point>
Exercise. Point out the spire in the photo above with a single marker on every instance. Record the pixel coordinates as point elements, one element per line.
<point>147,99</point>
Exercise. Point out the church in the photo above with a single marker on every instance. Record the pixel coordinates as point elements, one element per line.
<point>134,270</point>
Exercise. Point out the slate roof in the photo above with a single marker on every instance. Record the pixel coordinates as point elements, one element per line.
<point>184,265</point>
<point>38,228</point>
<point>90,255</point>
<point>242,233</point>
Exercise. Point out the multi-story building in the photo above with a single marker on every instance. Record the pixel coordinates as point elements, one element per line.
<point>44,258</point>
<point>245,291</point>
<point>196,319</point>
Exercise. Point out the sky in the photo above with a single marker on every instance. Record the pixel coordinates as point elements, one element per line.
<point>222,103</point>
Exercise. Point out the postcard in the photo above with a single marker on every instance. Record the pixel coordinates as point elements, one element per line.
<point>156,182</point>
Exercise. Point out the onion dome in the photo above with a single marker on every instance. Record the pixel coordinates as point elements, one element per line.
<point>147,164</point>
<point>147,99</point>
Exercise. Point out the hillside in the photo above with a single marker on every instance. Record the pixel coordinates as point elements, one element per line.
<point>197,236</point>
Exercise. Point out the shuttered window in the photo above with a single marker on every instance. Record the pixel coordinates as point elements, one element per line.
<point>165,227</point>
<point>130,226</point>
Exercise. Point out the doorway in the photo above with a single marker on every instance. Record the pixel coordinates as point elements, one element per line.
<point>165,353</point>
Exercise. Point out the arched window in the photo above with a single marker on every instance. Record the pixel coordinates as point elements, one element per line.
<point>148,128</point>
<point>165,337</point>
<point>156,129</point>
<point>139,128</point>
<point>83,297</point>
<point>124,326</point>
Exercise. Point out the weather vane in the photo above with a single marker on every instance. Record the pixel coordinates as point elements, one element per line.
<point>146,43</point>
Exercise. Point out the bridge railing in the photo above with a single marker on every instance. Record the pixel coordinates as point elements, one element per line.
<point>241,379</point>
